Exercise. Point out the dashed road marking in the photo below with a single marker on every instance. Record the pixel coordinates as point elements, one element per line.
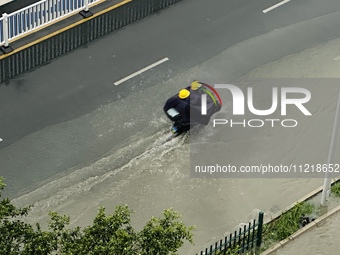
<point>275,6</point>
<point>141,71</point>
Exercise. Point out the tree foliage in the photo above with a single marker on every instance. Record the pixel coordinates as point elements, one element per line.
<point>109,234</point>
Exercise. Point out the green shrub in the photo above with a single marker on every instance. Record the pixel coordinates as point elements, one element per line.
<point>286,224</point>
<point>108,234</point>
<point>335,189</point>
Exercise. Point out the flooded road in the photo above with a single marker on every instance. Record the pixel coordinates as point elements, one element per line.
<point>151,174</point>
<point>123,145</point>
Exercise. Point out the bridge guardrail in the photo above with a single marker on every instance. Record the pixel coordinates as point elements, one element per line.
<point>35,16</point>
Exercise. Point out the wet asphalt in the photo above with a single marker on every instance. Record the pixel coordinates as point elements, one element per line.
<point>188,33</point>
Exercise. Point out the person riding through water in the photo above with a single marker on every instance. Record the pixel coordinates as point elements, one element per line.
<point>185,108</point>
<point>181,103</point>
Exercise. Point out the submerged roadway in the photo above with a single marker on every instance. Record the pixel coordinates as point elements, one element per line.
<point>84,105</point>
<point>187,34</point>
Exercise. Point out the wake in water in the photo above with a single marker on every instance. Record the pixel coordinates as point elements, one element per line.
<point>115,167</point>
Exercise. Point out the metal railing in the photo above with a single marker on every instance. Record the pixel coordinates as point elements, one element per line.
<point>37,15</point>
<point>43,51</point>
<point>247,239</point>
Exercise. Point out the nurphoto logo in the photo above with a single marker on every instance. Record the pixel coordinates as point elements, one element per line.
<point>281,99</point>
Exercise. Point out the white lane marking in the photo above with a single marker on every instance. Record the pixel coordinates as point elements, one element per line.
<point>1,140</point>
<point>141,71</point>
<point>275,6</point>
<point>336,58</point>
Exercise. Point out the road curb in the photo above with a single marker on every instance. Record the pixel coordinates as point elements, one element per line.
<point>316,223</point>
<point>304,198</point>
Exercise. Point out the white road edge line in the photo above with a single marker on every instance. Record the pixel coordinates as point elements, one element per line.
<point>275,6</point>
<point>141,71</point>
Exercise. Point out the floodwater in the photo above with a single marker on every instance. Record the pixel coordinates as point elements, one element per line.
<point>151,174</point>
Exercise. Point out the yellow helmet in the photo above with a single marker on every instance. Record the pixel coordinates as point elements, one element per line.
<point>183,93</point>
<point>195,85</point>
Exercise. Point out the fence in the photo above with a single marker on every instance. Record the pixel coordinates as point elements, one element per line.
<point>90,29</point>
<point>247,239</point>
<point>37,15</point>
